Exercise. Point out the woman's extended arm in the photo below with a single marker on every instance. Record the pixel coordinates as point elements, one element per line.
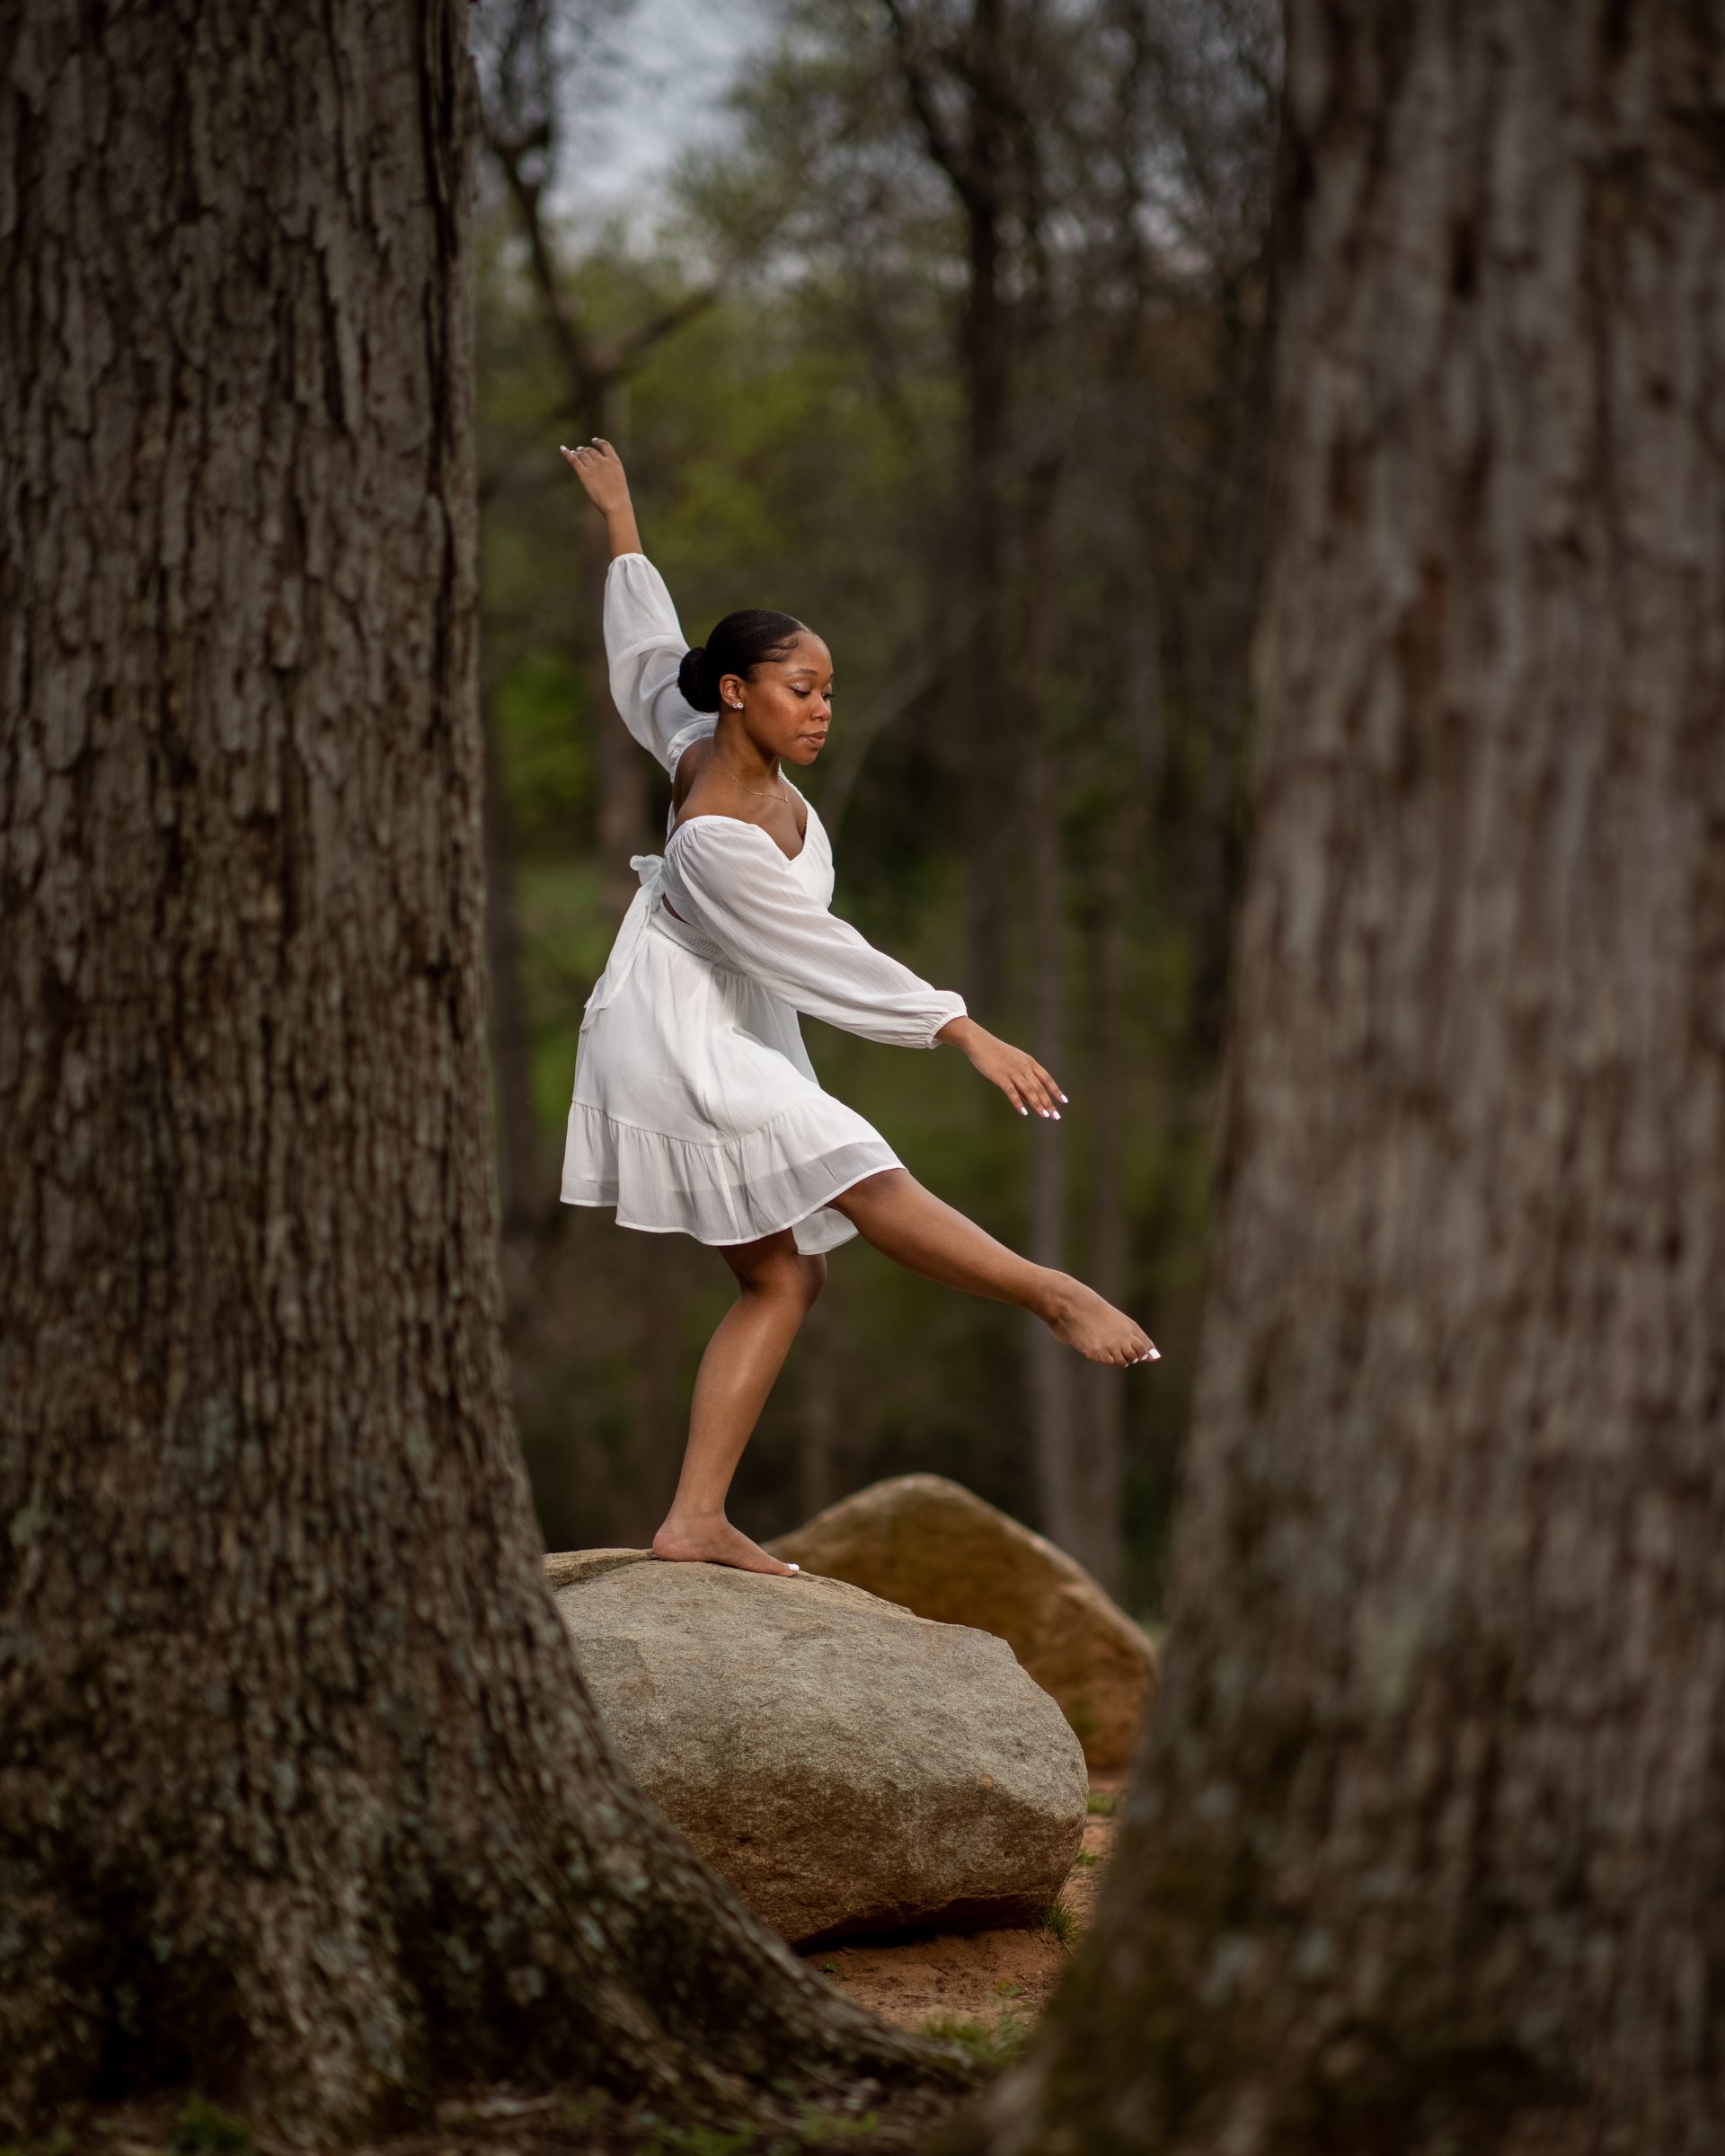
<point>731,880</point>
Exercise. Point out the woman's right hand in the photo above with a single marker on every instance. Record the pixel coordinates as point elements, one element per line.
<point>599,469</point>
<point>1019,1076</point>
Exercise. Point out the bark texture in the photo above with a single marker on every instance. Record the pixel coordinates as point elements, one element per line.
<point>1428,1847</point>
<point>301,1796</point>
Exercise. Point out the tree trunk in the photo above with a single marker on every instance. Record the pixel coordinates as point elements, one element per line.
<point>1101,1398</point>
<point>1427,1848</point>
<point>301,1796</point>
<point>1052,1380</point>
<point>820,1419</point>
<point>984,364</point>
<point>523,1171</point>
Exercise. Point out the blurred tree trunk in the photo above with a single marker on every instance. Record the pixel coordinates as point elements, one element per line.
<point>820,1423</point>
<point>1052,1388</point>
<point>1425,1851</point>
<point>301,1800</point>
<point>1101,1398</point>
<point>975,152</point>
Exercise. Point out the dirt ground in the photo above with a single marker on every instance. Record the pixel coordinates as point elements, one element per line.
<point>994,1979</point>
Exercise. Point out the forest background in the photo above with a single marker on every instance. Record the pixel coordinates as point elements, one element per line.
<point>949,334</point>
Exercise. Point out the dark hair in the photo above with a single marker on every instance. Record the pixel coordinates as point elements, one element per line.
<point>736,646</point>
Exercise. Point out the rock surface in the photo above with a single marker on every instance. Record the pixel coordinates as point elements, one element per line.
<point>849,1767</point>
<point>930,1546</point>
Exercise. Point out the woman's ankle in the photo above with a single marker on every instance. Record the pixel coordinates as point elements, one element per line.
<point>1057,1292</point>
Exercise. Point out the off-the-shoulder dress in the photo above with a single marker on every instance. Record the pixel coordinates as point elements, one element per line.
<point>695,1106</point>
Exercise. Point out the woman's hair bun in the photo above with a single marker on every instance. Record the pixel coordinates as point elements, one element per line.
<point>737,645</point>
<point>697,682</point>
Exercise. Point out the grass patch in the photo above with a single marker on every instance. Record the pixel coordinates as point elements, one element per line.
<point>1059,1920</point>
<point>1102,1804</point>
<point>1084,1859</point>
<point>201,2130</point>
<point>822,2130</point>
<point>993,2049</point>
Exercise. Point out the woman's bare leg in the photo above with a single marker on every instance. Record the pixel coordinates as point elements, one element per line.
<point>922,1233</point>
<point>776,1287</point>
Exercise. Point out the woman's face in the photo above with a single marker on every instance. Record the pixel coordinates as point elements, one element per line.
<point>788,704</point>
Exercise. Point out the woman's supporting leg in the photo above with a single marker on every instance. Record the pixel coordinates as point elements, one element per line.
<point>922,1233</point>
<point>776,1287</point>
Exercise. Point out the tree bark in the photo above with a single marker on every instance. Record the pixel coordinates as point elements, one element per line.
<point>1427,1846</point>
<point>301,1796</point>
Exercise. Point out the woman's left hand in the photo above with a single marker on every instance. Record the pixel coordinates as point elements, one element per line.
<point>1019,1075</point>
<point>599,469</point>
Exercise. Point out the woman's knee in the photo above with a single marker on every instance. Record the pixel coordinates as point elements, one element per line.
<point>784,1272</point>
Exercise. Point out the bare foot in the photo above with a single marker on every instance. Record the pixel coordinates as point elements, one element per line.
<point>716,1543</point>
<point>1079,1316</point>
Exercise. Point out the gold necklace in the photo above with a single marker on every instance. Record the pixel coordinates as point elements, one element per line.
<point>763,793</point>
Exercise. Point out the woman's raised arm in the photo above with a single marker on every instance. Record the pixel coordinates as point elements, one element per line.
<point>643,641</point>
<point>599,469</point>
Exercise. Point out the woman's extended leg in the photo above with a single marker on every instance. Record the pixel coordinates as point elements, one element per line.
<point>919,1231</point>
<point>776,1287</point>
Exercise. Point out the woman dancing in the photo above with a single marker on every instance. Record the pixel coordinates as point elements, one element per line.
<point>695,1107</point>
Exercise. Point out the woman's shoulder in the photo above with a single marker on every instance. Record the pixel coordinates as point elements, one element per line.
<point>692,760</point>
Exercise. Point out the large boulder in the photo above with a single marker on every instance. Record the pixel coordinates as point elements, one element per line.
<point>847,1766</point>
<point>932,1547</point>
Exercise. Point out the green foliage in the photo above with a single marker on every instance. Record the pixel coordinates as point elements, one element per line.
<point>547,762</point>
<point>814,2129</point>
<point>202,2130</point>
<point>1102,1804</point>
<point>992,2047</point>
<point>703,2141</point>
<point>1060,1921</point>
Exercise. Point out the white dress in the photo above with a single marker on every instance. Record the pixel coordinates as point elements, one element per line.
<point>695,1106</point>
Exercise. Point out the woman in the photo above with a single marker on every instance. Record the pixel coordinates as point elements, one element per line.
<point>695,1106</point>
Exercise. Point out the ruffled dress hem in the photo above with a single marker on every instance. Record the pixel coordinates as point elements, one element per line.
<point>734,1190</point>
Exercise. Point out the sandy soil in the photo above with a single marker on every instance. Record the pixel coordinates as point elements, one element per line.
<point>974,1976</point>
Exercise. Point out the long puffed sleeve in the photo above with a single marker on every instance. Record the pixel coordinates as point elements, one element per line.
<point>730,881</point>
<point>644,647</point>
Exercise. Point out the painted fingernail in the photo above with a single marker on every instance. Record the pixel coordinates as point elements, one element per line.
<point>1023,1110</point>
<point>1063,1097</point>
<point>1155,1355</point>
<point>1055,1112</point>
